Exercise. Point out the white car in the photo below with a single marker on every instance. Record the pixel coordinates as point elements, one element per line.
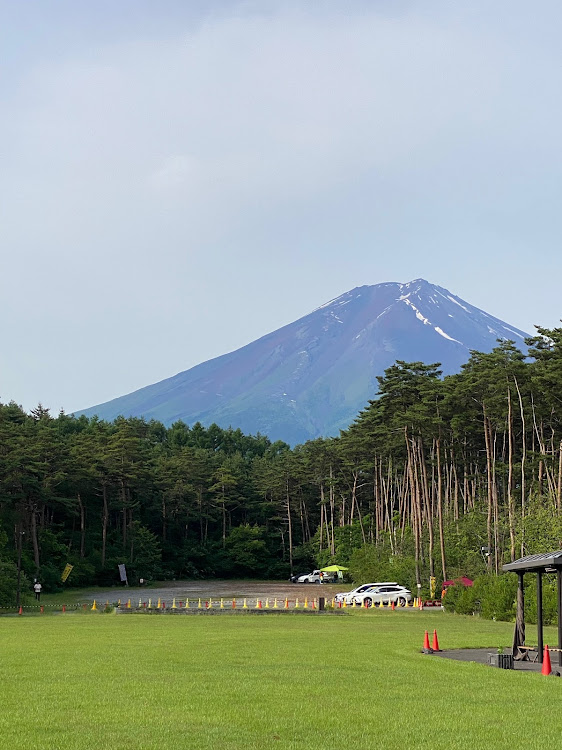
<point>386,593</point>
<point>314,577</point>
<point>347,596</point>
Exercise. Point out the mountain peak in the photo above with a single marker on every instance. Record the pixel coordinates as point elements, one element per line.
<point>311,377</point>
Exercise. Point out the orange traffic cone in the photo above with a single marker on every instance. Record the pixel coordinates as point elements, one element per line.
<point>20,612</point>
<point>435,644</point>
<point>426,648</point>
<point>393,606</point>
<point>546,667</point>
<point>64,607</point>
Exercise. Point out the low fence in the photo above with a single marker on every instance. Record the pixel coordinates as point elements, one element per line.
<point>264,605</point>
<point>202,605</point>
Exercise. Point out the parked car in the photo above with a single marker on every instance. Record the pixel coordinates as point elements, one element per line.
<point>314,577</point>
<point>347,596</point>
<point>295,578</point>
<point>387,593</point>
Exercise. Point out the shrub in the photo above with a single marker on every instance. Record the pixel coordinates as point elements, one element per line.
<point>497,595</point>
<point>491,596</point>
<point>8,584</point>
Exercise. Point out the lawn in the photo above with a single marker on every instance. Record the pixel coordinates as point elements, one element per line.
<point>92,681</point>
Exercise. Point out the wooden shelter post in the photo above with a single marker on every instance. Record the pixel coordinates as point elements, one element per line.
<point>559,593</point>
<point>540,647</point>
<point>519,632</point>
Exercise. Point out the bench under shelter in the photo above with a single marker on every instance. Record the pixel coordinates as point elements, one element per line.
<point>547,562</point>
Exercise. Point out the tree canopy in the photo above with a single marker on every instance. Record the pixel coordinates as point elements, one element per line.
<point>437,477</point>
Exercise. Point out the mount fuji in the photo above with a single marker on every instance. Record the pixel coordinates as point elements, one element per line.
<point>312,377</point>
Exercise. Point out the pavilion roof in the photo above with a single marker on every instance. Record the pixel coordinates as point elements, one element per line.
<point>544,561</point>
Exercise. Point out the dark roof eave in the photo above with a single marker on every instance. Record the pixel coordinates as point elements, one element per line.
<point>535,563</point>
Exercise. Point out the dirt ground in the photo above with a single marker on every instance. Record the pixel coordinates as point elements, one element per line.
<point>216,589</point>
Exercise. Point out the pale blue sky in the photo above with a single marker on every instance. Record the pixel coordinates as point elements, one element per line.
<point>179,178</point>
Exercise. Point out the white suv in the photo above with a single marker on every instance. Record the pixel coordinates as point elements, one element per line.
<point>386,593</point>
<point>348,596</point>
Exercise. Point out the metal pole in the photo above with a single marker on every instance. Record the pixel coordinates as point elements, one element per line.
<point>559,591</point>
<point>540,647</point>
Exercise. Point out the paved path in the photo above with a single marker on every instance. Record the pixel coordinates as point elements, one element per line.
<point>480,656</point>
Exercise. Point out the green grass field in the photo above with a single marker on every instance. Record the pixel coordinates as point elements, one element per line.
<point>357,681</point>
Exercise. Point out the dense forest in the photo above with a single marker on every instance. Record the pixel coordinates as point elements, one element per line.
<point>437,477</point>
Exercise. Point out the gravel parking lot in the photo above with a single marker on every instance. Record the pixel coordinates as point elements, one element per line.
<point>216,589</point>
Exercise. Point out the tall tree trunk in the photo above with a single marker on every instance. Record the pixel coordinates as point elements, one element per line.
<point>289,524</point>
<point>414,504</point>
<point>322,510</point>
<point>223,503</point>
<point>559,483</point>
<point>490,489</point>
<point>523,457</point>
<point>496,507</point>
<point>124,514</point>
<point>82,527</point>
<point>376,500</point>
<point>428,506</point>
<point>332,512</point>
<point>510,505</point>
<point>440,509</point>
<point>35,541</point>
<point>105,518</point>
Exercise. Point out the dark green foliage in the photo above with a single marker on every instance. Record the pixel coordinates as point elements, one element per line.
<point>491,596</point>
<point>8,583</point>
<point>437,478</point>
<point>371,564</point>
<point>247,550</point>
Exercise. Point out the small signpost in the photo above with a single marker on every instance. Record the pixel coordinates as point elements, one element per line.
<point>123,574</point>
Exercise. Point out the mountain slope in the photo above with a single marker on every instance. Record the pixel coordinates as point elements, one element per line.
<point>312,377</point>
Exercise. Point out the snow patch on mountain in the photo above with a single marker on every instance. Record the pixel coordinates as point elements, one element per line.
<point>441,332</point>
<point>448,296</point>
<point>419,316</point>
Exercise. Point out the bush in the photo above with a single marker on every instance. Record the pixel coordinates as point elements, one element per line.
<point>452,597</point>
<point>549,600</point>
<point>466,599</point>
<point>491,596</point>
<point>497,595</point>
<point>9,582</point>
